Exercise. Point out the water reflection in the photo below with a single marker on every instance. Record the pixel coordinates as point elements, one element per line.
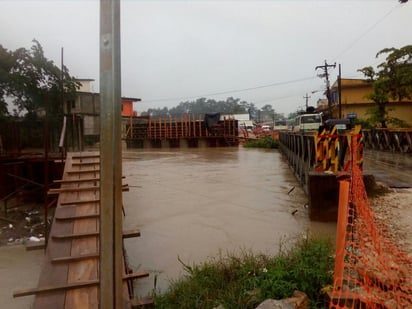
<point>195,203</point>
<point>393,169</point>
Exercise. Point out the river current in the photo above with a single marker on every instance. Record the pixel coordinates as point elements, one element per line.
<point>194,204</point>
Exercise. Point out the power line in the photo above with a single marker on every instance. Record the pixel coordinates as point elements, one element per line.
<point>229,91</point>
<point>366,32</point>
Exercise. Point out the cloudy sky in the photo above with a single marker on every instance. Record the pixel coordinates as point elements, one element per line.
<point>263,52</point>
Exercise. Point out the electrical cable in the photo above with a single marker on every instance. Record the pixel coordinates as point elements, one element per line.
<point>366,32</point>
<point>228,92</point>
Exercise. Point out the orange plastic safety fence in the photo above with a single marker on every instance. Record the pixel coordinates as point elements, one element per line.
<point>370,270</point>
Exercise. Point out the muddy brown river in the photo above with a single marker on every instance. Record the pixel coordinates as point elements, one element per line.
<point>197,203</point>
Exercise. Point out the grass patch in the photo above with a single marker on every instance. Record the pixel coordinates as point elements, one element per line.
<point>245,280</point>
<point>266,141</point>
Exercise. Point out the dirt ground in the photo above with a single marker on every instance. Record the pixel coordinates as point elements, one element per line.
<point>395,210</point>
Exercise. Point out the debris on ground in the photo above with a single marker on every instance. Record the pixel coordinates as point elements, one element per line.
<point>23,224</point>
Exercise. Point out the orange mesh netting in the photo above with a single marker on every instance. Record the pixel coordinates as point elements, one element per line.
<point>370,270</point>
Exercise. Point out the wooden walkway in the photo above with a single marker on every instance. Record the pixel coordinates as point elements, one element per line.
<point>70,275</point>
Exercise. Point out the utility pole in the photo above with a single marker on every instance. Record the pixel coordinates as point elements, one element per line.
<point>326,75</point>
<point>340,91</point>
<point>307,98</point>
<point>110,243</point>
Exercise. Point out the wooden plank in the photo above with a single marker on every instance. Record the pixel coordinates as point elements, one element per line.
<point>85,163</point>
<point>86,156</point>
<point>76,258</point>
<point>74,235</point>
<point>131,233</point>
<point>72,256</point>
<point>73,189</point>
<point>126,234</point>
<point>56,274</point>
<point>69,286</point>
<point>86,269</point>
<point>136,275</point>
<point>77,189</point>
<point>78,202</point>
<point>55,288</point>
<point>76,217</point>
<point>84,171</point>
<point>77,180</point>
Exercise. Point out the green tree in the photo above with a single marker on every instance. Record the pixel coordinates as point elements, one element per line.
<point>202,106</point>
<point>392,80</point>
<point>268,109</point>
<point>33,82</point>
<point>7,60</point>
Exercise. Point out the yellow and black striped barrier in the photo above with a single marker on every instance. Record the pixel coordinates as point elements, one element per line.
<point>317,159</point>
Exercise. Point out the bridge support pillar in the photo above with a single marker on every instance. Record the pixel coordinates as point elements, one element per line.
<point>323,191</point>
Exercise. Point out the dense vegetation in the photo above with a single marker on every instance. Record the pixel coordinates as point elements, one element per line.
<point>265,141</point>
<point>203,106</point>
<point>244,281</point>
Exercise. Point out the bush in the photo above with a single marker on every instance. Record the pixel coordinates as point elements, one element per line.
<point>266,141</point>
<point>245,281</point>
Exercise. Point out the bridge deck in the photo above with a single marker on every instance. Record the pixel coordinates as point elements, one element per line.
<point>70,277</point>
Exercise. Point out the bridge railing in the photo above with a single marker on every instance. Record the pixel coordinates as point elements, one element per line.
<point>317,158</point>
<point>396,140</point>
<point>323,151</point>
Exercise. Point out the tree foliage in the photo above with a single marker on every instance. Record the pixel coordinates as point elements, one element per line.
<point>392,80</point>
<point>203,105</point>
<point>33,82</point>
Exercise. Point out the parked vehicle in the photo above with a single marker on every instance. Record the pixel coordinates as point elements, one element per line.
<point>306,122</point>
<point>265,128</point>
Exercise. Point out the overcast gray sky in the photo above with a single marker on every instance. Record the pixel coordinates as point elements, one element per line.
<point>263,52</point>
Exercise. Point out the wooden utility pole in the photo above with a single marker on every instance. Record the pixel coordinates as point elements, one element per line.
<point>110,242</point>
<point>307,101</point>
<point>326,75</point>
<point>340,92</point>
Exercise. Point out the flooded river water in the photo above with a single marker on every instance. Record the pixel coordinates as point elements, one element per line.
<point>195,203</point>
<point>191,204</point>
